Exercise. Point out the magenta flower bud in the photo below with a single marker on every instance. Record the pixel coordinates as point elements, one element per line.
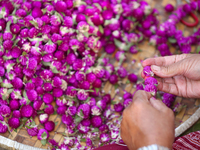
<point>15,28</point>
<point>3,127</point>
<point>16,52</point>
<point>138,13</point>
<point>57,92</point>
<point>14,122</point>
<point>132,78</point>
<point>127,25</point>
<point>80,17</point>
<point>193,5</point>
<point>133,49</point>
<point>120,56</point>
<point>127,102</point>
<point>151,88</point>
<point>80,76</point>
<point>151,81</point>
<point>107,14</point>
<point>169,8</point>
<point>95,110</point>
<point>96,121</point>
<point>147,71</point>
<point>86,122</point>
<point>43,134</point>
<point>16,114</point>
<point>17,83</point>
<point>82,95</point>
<point>47,87</point>
<point>48,98</point>
<point>127,95</point>
<point>104,137</point>
<point>139,87</point>
<point>5,110</point>
<point>49,126</point>
<point>38,105</point>
<point>68,120</point>
<point>26,111</point>
<point>26,6</point>
<point>97,83</point>
<point>122,73</point>
<point>103,128</point>
<point>168,99</point>
<point>49,109</point>
<point>187,8</point>
<point>113,79</point>
<point>37,12</point>
<point>71,58</point>
<point>46,75</point>
<point>33,131</point>
<point>2,71</point>
<point>102,104</point>
<point>8,44</point>
<point>33,32</point>
<point>14,105</point>
<point>71,110</point>
<point>91,77</point>
<point>68,21</point>
<point>61,110</point>
<point>70,92</point>
<point>118,107</point>
<point>83,129</point>
<point>2,24</point>
<point>85,108</point>
<point>61,6</point>
<point>32,95</point>
<point>43,118</point>
<point>78,64</point>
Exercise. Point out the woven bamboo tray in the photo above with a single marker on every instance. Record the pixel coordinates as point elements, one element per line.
<point>21,140</point>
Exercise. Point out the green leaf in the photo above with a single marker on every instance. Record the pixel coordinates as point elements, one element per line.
<point>54,113</point>
<point>9,91</point>
<point>198,49</point>
<point>116,86</point>
<point>28,127</point>
<point>44,11</point>
<point>44,135</point>
<point>35,24</point>
<point>1,79</point>
<point>101,29</point>
<point>15,42</point>
<point>6,85</point>
<point>172,40</point>
<point>128,81</point>
<point>59,42</point>
<point>95,130</point>
<point>46,63</point>
<point>97,90</point>
<point>33,123</point>
<point>83,140</point>
<point>21,126</point>
<point>24,94</point>
<point>78,119</point>
<point>56,123</point>
<point>46,106</point>
<point>113,102</point>
<point>54,70</point>
<point>44,142</point>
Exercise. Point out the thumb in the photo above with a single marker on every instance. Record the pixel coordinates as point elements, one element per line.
<point>157,104</point>
<point>168,71</point>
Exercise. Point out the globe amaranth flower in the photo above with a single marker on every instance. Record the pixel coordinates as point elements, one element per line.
<point>5,110</point>
<point>68,120</point>
<point>83,129</point>
<point>82,95</point>
<point>95,110</point>
<point>14,122</point>
<point>42,134</point>
<point>151,81</point>
<point>43,118</point>
<point>118,107</point>
<point>151,88</point>
<point>26,111</point>
<point>49,126</point>
<point>147,71</point>
<point>3,127</point>
<point>96,121</point>
<point>83,111</point>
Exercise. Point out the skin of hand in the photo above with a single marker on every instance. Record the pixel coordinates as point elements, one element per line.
<point>177,74</point>
<point>147,121</point>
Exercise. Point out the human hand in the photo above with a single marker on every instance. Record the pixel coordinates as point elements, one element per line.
<point>178,74</point>
<point>147,121</point>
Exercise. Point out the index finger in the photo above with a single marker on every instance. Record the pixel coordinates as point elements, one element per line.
<point>141,96</point>
<point>164,61</point>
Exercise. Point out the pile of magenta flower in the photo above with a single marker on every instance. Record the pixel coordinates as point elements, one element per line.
<point>49,52</point>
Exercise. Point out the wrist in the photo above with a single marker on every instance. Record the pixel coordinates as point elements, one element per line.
<point>153,147</point>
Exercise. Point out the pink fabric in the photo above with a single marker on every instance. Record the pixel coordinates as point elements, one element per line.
<point>187,142</point>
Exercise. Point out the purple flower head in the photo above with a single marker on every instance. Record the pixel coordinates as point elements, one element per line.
<point>49,109</point>
<point>114,134</point>
<point>122,73</point>
<point>193,5</point>
<point>37,12</point>
<point>38,105</point>
<point>33,32</point>
<point>74,44</point>
<point>169,8</point>
<point>132,78</point>
<point>98,71</point>
<point>69,141</point>
<point>49,126</point>
<point>80,76</point>
<point>16,114</point>
<point>26,6</point>
<point>113,79</point>
<point>14,122</point>
<point>147,71</point>
<point>17,83</point>
<point>46,75</point>
<point>71,58</point>
<point>127,95</point>
<point>133,49</point>
<point>2,24</point>
<point>97,83</point>
<point>96,121</point>
<point>83,27</point>
<point>2,71</point>
<point>16,52</point>
<point>151,81</point>
<point>3,127</point>
<point>60,6</point>
<point>68,120</point>
<point>127,25</point>
<point>85,109</point>
<point>95,110</point>
<point>78,64</point>
<point>86,122</point>
<point>107,14</point>
<point>33,131</point>
<point>187,8</point>
<point>61,110</point>
<point>120,56</point>
<point>151,88</point>
<point>91,77</point>
<point>50,47</point>
<point>43,118</point>
<point>48,98</point>
<point>102,104</point>
<point>118,107</point>
<point>47,87</point>
<point>43,134</point>
<point>71,93</point>
<point>139,87</point>
<point>32,95</point>
<point>82,95</point>
<point>72,110</point>
<point>168,99</point>
<point>26,111</point>
<point>83,129</point>
<point>5,110</point>
<point>14,104</point>
<point>8,44</point>
<point>68,21</point>
<point>15,28</point>
<point>127,102</point>
<point>104,137</point>
<point>94,43</point>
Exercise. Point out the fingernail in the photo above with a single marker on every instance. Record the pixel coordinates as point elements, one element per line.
<point>153,98</point>
<point>155,68</point>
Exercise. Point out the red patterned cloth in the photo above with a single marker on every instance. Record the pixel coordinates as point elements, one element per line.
<point>187,142</point>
